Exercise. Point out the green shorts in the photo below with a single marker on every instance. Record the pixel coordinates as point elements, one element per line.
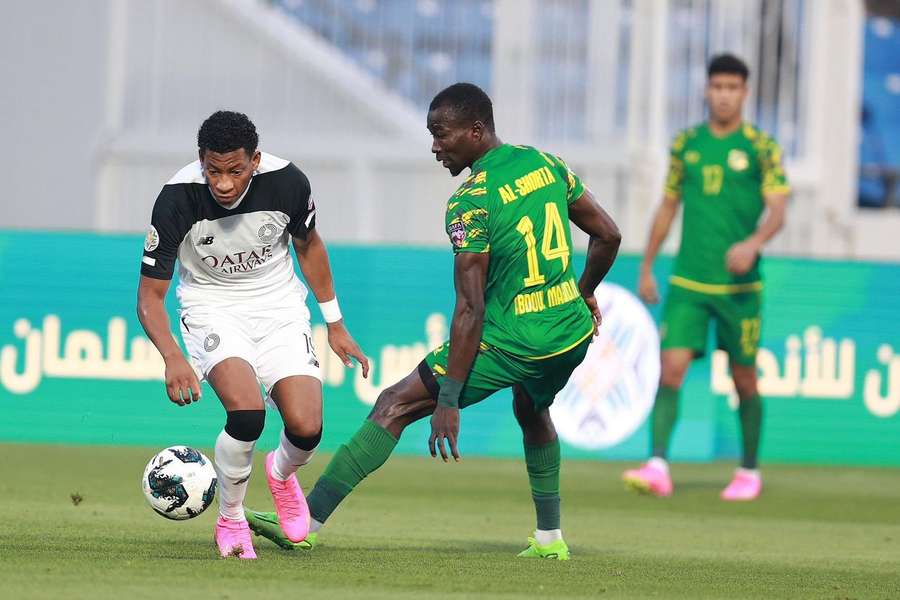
<point>686,317</point>
<point>495,369</point>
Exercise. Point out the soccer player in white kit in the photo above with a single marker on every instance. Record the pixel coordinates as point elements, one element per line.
<point>228,219</point>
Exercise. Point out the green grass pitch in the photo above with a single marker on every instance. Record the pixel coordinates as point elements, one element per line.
<point>420,528</point>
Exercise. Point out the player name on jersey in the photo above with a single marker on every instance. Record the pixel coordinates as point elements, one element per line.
<point>526,184</point>
<point>535,301</point>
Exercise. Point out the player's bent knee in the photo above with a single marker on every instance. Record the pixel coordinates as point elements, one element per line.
<point>391,409</point>
<point>746,391</point>
<point>672,376</point>
<point>301,426</point>
<point>745,382</point>
<point>304,440</point>
<point>673,368</point>
<point>671,381</point>
<point>530,418</point>
<point>245,425</point>
<point>538,428</point>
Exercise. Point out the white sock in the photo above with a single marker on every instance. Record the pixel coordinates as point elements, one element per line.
<point>659,463</point>
<point>314,526</point>
<point>288,458</point>
<point>234,460</point>
<point>547,536</point>
<point>751,472</point>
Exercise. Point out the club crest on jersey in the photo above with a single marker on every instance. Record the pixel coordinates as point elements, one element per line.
<point>151,242</point>
<point>457,233</point>
<point>737,160</point>
<point>692,156</point>
<point>211,342</point>
<point>267,232</point>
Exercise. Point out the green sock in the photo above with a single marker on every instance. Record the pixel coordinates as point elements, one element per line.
<point>543,463</point>
<point>367,450</point>
<point>665,412</point>
<point>750,412</point>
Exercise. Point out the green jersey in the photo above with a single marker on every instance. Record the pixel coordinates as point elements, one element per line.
<point>515,206</point>
<point>721,182</point>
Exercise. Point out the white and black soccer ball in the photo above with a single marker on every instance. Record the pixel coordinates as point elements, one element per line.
<point>179,483</point>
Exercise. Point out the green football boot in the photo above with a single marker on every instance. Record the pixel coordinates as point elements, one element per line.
<point>266,524</point>
<point>556,550</point>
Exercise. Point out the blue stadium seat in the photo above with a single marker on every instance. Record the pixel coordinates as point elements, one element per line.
<point>879,155</point>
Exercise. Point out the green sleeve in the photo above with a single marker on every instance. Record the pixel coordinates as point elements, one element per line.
<point>774,179</point>
<point>574,186</point>
<point>467,226</point>
<point>675,174</point>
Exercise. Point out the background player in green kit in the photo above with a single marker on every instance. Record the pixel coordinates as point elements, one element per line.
<point>522,320</point>
<point>725,172</point>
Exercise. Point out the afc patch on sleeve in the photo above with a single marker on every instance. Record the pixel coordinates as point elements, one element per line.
<point>457,232</point>
<point>151,242</point>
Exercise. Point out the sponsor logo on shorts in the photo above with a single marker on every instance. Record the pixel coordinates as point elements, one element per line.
<point>267,233</point>
<point>151,242</point>
<point>612,392</point>
<point>211,342</point>
<point>313,362</point>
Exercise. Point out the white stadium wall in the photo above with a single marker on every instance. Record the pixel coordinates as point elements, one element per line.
<point>52,109</point>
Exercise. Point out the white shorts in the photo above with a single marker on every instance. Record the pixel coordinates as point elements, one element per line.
<point>277,344</point>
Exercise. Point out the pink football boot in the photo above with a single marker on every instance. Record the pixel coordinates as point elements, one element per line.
<point>233,539</point>
<point>290,504</point>
<point>652,478</point>
<point>746,485</point>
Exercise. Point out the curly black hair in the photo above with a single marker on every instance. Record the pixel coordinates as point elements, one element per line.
<point>469,102</point>
<point>226,131</point>
<point>728,64</point>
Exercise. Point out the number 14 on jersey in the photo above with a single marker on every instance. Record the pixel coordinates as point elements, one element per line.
<point>553,246</point>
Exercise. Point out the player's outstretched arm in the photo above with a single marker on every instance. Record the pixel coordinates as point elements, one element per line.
<point>741,257</point>
<point>603,247</point>
<point>182,385</point>
<point>469,277</point>
<point>313,258</point>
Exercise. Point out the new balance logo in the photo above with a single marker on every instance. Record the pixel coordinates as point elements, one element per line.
<point>206,240</point>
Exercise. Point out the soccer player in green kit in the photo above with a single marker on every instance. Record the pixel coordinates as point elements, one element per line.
<point>522,319</point>
<point>726,172</point>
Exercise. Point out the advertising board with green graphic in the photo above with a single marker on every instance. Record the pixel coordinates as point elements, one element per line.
<point>75,366</point>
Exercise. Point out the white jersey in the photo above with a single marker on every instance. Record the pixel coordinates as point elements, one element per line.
<point>239,255</point>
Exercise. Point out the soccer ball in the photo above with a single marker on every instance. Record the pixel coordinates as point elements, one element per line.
<point>179,483</point>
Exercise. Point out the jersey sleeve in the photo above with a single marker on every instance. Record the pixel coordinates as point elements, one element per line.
<point>675,174</point>
<point>574,186</point>
<point>774,179</point>
<point>467,226</point>
<point>168,226</point>
<point>302,209</point>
